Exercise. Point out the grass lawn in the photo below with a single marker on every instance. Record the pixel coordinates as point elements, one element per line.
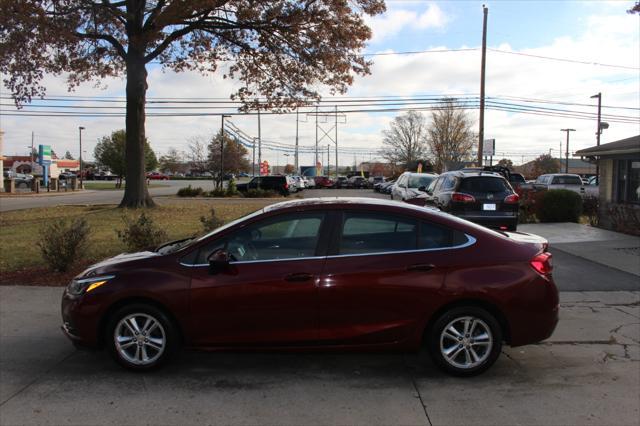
<point>111,185</point>
<point>19,230</point>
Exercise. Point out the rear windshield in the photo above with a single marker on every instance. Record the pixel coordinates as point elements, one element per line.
<point>416,181</point>
<point>567,180</point>
<point>483,184</point>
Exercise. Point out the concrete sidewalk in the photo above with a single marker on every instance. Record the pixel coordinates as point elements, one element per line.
<point>612,249</point>
<point>587,373</point>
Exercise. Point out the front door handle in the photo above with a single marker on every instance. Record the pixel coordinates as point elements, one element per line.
<point>421,267</point>
<point>298,277</point>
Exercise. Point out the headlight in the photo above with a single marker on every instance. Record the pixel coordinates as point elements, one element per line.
<point>85,285</point>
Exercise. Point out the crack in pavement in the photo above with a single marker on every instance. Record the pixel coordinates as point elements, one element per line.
<point>415,387</point>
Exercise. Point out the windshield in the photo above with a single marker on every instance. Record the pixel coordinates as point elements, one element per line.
<point>416,181</point>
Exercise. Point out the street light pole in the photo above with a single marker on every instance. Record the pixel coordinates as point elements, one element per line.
<point>80,129</point>
<point>598,131</point>
<point>223,116</point>
<point>566,164</point>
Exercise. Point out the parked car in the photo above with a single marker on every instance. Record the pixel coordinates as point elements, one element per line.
<point>104,175</point>
<point>517,180</point>
<point>411,185</point>
<point>374,180</point>
<point>593,180</point>
<point>323,182</point>
<point>321,274</point>
<point>243,174</point>
<point>341,182</point>
<point>157,176</point>
<point>485,198</point>
<point>568,181</point>
<point>298,182</point>
<point>309,182</point>
<point>281,184</point>
<point>67,175</point>
<point>357,182</point>
<point>387,186</point>
<point>20,180</point>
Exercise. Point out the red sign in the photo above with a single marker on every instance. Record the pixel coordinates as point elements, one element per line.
<point>264,168</point>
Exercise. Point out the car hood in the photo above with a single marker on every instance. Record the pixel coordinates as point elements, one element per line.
<point>108,265</point>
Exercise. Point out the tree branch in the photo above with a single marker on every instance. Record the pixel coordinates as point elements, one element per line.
<point>110,39</point>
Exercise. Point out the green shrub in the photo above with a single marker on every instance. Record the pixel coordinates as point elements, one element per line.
<point>141,233</point>
<point>216,193</point>
<point>560,205</point>
<point>62,241</point>
<point>211,222</point>
<point>232,190</point>
<point>261,193</point>
<point>190,192</point>
<point>530,201</point>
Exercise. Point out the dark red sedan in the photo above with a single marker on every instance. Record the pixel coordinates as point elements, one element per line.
<point>330,273</point>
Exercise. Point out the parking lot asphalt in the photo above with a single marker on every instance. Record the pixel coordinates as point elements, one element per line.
<point>588,372</point>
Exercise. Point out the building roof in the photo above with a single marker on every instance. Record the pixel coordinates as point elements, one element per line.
<point>623,146</point>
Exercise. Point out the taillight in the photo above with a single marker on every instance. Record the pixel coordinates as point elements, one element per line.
<point>462,198</point>
<point>542,263</point>
<point>512,199</point>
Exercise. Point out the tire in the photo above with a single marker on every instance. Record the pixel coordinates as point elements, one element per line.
<point>468,357</point>
<point>513,227</point>
<point>159,342</point>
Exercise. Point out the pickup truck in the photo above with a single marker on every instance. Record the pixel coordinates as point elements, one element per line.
<point>565,181</point>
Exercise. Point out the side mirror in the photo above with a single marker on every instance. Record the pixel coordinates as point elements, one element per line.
<point>422,189</point>
<point>218,262</point>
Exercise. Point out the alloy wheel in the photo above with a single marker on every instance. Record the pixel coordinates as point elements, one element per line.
<point>140,339</point>
<point>466,342</point>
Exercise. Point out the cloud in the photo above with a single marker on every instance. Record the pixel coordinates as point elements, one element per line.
<point>397,20</point>
<point>604,39</point>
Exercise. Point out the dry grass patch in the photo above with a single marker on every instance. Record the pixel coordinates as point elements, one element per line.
<point>20,230</point>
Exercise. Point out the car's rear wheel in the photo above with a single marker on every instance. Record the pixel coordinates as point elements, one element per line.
<point>465,341</point>
<point>141,337</point>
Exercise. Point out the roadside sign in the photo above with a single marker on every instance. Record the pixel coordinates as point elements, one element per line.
<point>264,168</point>
<point>44,154</point>
<point>489,147</point>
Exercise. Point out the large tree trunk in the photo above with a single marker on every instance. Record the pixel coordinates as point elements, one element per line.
<point>136,193</point>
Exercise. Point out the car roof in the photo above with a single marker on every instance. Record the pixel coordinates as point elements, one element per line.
<point>473,173</point>
<point>331,201</point>
<point>420,174</point>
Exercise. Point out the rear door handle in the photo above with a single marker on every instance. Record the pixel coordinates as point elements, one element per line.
<point>298,277</point>
<point>421,267</point>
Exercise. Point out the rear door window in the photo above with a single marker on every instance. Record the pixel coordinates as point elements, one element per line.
<point>364,233</point>
<point>434,236</point>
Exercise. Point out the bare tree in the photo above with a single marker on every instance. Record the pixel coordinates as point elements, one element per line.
<point>406,141</point>
<point>450,135</point>
<point>198,155</point>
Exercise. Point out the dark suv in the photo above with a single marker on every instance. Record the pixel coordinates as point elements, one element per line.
<point>280,184</point>
<point>485,198</point>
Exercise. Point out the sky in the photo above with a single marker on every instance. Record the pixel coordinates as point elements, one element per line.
<point>594,34</point>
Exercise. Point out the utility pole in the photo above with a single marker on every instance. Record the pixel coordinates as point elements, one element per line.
<point>485,12</point>
<point>296,163</point>
<point>253,162</point>
<point>336,109</point>
<point>328,160</point>
<point>259,144</point>
<point>598,131</point>
<point>223,116</point>
<point>31,153</point>
<point>566,164</point>
<point>316,162</point>
<point>80,129</point>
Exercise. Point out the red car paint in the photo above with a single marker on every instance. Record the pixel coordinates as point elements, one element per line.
<point>374,301</point>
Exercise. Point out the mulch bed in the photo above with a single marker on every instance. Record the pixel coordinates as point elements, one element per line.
<point>40,276</point>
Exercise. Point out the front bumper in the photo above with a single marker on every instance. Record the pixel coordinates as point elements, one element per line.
<point>79,320</point>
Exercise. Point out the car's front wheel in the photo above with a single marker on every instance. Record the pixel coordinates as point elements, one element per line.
<point>465,341</point>
<point>141,337</point>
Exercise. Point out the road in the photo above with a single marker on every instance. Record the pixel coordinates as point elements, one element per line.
<point>89,197</point>
<point>587,373</point>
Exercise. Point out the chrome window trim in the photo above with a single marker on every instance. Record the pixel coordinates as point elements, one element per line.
<point>470,241</point>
